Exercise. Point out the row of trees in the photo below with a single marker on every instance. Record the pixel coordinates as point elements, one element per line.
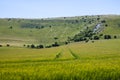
<point>41,46</point>
<point>105,37</point>
<point>95,37</point>
<point>33,46</point>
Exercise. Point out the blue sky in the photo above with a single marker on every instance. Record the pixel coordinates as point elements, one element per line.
<point>56,8</point>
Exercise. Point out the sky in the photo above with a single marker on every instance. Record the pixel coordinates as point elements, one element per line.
<point>57,8</point>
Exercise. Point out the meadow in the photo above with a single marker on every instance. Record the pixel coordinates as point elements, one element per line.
<point>18,32</point>
<point>98,60</point>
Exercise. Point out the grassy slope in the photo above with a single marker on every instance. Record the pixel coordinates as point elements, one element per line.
<point>45,35</point>
<point>77,61</point>
<point>61,28</point>
<point>113,25</point>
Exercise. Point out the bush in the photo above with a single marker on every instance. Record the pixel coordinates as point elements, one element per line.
<point>55,44</point>
<point>48,46</point>
<point>87,40</point>
<point>96,38</point>
<point>103,21</point>
<point>40,46</point>
<point>101,35</point>
<point>55,38</point>
<point>91,38</point>
<point>92,41</point>
<point>115,37</point>
<point>0,45</point>
<point>106,25</point>
<point>32,46</point>
<point>66,42</point>
<point>10,27</point>
<point>98,18</point>
<point>7,45</point>
<point>28,46</point>
<point>24,45</point>
<point>50,26</point>
<point>107,37</point>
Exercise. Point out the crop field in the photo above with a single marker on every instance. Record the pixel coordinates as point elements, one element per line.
<point>98,60</point>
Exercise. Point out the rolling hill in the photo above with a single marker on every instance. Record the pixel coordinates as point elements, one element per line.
<point>46,31</point>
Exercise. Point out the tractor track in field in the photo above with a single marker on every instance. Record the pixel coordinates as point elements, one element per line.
<point>74,54</point>
<point>58,55</point>
<point>56,58</point>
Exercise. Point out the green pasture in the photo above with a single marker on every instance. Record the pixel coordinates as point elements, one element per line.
<point>62,28</point>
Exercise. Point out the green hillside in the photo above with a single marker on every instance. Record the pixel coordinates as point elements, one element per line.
<point>113,25</point>
<point>47,31</point>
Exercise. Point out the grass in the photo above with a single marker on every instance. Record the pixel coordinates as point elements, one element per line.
<point>98,60</point>
<point>76,61</point>
<point>35,36</point>
<point>60,28</point>
<point>113,27</point>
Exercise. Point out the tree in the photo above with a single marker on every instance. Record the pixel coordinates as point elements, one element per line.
<point>101,35</point>
<point>7,45</point>
<point>66,42</point>
<point>103,21</point>
<point>32,46</point>
<point>9,19</point>
<point>55,44</point>
<point>42,26</point>
<point>87,40</point>
<point>10,27</point>
<point>107,37</point>
<point>64,17</point>
<point>96,38</point>
<point>98,18</point>
<point>50,26</point>
<point>115,37</point>
<point>92,41</point>
<point>37,27</point>
<point>90,22</point>
<point>106,25</point>
<point>55,38</point>
<point>28,46</point>
<point>40,46</point>
<point>49,46</point>
<point>24,45</point>
<point>76,21</point>
<point>0,45</point>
